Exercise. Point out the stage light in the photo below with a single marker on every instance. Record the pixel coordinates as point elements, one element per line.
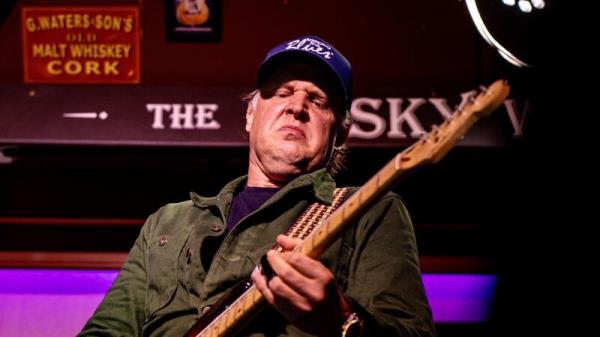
<point>539,4</point>
<point>525,6</point>
<point>517,29</point>
<point>487,36</point>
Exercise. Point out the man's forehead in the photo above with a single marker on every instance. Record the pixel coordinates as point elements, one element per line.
<point>305,85</point>
<point>293,72</point>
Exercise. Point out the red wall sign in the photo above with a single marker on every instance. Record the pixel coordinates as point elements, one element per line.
<point>81,44</point>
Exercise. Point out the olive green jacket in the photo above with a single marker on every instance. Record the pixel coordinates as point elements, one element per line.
<point>165,283</point>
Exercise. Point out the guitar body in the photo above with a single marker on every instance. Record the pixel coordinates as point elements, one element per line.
<point>219,307</point>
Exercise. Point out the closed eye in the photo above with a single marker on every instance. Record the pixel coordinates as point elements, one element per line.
<point>319,101</point>
<point>283,92</point>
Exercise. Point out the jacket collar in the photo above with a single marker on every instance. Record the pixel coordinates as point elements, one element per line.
<point>319,183</point>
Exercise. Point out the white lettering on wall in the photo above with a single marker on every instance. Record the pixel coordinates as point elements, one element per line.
<point>513,115</point>
<point>399,117</point>
<point>184,116</point>
<point>205,116</point>
<point>360,115</point>
<point>442,107</point>
<point>370,119</point>
<point>177,117</point>
<point>158,110</point>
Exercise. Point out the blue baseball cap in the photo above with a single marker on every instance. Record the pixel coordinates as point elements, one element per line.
<point>311,48</point>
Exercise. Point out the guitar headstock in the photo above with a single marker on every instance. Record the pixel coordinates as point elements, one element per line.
<point>433,146</point>
<point>490,98</point>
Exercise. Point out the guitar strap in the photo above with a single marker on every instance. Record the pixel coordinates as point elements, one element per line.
<point>314,215</point>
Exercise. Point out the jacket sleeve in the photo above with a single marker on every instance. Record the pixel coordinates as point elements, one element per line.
<point>384,280</point>
<point>121,312</point>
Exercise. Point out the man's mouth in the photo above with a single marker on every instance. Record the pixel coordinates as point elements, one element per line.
<point>293,130</point>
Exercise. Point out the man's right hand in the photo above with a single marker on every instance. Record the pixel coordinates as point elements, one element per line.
<point>303,290</point>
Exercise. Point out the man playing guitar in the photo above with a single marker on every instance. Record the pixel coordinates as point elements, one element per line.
<point>188,254</point>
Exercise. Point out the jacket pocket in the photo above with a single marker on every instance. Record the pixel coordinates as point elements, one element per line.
<point>163,255</point>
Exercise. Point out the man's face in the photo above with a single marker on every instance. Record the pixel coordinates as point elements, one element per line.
<point>291,123</point>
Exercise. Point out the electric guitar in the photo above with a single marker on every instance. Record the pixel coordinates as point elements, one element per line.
<point>227,316</point>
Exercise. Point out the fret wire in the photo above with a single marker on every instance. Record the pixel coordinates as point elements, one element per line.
<point>304,230</point>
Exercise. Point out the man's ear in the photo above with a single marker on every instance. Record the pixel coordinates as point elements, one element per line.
<point>342,135</point>
<point>249,116</point>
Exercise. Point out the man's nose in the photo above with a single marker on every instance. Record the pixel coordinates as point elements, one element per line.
<point>298,105</point>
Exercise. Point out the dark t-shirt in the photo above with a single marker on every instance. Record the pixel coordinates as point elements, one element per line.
<point>247,201</point>
<point>244,202</point>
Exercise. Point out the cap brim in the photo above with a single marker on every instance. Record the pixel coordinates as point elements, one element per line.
<point>268,66</point>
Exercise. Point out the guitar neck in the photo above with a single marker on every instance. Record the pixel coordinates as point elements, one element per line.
<point>441,138</point>
<point>322,237</point>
